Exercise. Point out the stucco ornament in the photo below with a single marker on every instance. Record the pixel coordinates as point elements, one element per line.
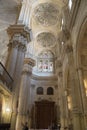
<point>46,39</point>
<point>46,14</point>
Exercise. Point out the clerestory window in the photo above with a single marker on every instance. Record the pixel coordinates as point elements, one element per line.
<point>45,62</point>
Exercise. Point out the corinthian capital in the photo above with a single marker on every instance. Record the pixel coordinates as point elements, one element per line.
<point>22,47</point>
<point>13,44</point>
<point>15,31</point>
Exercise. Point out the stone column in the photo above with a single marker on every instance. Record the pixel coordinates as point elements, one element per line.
<point>16,84</point>
<point>60,91</point>
<point>19,35</point>
<point>12,56</point>
<point>24,96</point>
<point>61,100</point>
<point>83,96</point>
<point>76,99</point>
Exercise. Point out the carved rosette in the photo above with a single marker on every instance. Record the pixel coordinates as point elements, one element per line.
<point>46,39</point>
<point>46,14</point>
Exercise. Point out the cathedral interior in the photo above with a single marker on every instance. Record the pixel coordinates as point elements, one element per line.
<point>43,64</point>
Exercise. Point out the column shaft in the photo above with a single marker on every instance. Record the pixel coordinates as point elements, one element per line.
<point>11,59</point>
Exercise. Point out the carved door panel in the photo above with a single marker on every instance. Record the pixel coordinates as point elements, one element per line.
<point>44,114</point>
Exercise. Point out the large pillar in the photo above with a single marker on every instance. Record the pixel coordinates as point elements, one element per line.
<point>60,93</point>
<point>83,96</point>
<point>75,94</point>
<point>19,37</point>
<point>12,56</point>
<point>24,96</point>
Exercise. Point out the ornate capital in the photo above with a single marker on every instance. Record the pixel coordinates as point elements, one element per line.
<point>13,44</point>
<point>22,47</point>
<point>29,61</point>
<point>28,64</point>
<point>17,30</point>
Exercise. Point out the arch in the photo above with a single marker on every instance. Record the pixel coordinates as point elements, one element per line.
<point>39,90</point>
<point>50,91</point>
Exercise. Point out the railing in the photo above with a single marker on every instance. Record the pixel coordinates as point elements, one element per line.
<point>5,77</point>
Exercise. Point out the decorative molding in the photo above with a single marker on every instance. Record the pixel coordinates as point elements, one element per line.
<point>22,47</point>
<point>29,61</point>
<point>35,77</point>
<point>19,30</point>
<point>26,72</point>
<point>46,14</point>
<point>13,44</point>
<point>46,39</point>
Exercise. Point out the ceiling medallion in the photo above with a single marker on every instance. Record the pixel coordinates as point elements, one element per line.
<point>46,14</point>
<point>46,39</point>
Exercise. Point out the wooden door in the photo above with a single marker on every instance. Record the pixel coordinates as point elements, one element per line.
<point>44,114</point>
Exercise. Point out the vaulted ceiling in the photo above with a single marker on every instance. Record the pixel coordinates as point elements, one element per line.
<point>45,22</point>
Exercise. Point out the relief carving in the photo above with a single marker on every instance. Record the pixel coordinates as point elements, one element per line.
<point>46,39</point>
<point>46,14</point>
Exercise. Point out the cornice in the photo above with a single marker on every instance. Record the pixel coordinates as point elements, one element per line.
<point>29,61</point>
<point>18,29</point>
<point>35,77</point>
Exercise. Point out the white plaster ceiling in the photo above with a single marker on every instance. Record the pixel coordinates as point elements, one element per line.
<point>45,22</point>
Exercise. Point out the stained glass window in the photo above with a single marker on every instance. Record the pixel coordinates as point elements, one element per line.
<point>45,62</point>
